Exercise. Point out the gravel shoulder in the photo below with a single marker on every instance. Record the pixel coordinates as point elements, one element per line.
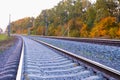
<point>6,47</point>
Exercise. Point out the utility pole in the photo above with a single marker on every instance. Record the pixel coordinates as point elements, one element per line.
<point>46,32</point>
<point>65,21</point>
<point>9,25</point>
<point>46,23</point>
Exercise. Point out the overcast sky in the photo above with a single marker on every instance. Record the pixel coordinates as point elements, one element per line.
<point>22,8</point>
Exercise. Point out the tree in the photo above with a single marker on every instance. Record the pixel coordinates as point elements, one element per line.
<point>91,16</point>
<point>84,31</point>
<point>107,27</point>
<point>20,26</point>
<point>78,28</point>
<point>77,18</point>
<point>101,10</point>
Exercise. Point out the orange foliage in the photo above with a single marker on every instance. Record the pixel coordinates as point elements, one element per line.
<point>83,31</point>
<point>58,31</point>
<point>118,33</point>
<point>106,27</point>
<point>77,28</point>
<point>40,30</point>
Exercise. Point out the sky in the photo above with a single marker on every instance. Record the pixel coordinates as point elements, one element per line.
<point>22,8</point>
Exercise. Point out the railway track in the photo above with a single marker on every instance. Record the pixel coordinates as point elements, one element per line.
<point>56,64</point>
<point>52,63</point>
<point>110,42</point>
<point>104,54</point>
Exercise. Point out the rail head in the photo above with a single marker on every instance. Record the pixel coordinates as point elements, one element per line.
<point>107,70</point>
<point>59,37</point>
<point>111,42</point>
<point>19,72</point>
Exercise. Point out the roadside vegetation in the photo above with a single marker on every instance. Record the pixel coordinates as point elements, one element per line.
<point>75,18</point>
<point>5,42</point>
<point>3,37</point>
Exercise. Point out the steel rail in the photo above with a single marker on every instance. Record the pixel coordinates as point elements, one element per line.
<point>111,42</point>
<point>102,68</point>
<point>19,72</point>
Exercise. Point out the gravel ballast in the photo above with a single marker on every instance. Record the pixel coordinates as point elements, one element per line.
<point>42,63</point>
<point>106,55</point>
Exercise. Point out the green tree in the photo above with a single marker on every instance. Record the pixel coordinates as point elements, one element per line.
<point>101,10</point>
<point>91,16</point>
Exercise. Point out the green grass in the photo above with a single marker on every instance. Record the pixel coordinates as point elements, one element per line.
<point>5,42</point>
<point>3,37</point>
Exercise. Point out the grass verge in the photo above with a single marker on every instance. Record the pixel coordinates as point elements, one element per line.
<point>3,37</point>
<point>6,42</point>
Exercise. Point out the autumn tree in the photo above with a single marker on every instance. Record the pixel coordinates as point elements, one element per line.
<point>21,25</point>
<point>107,27</point>
<point>75,18</point>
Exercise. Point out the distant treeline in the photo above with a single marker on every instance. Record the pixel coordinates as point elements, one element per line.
<point>74,18</point>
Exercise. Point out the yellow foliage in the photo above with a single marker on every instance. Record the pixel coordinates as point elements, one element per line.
<point>106,27</point>
<point>118,32</point>
<point>24,31</point>
<point>58,31</point>
<point>113,32</point>
<point>83,31</point>
<point>40,30</point>
<point>77,28</point>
